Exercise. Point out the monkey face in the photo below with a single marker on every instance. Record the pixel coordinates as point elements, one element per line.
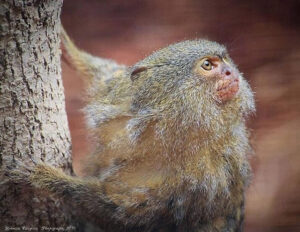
<point>193,79</point>
<point>222,73</point>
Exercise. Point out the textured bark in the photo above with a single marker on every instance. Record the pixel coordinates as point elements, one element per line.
<point>33,121</point>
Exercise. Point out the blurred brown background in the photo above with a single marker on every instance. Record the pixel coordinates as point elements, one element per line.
<point>264,40</point>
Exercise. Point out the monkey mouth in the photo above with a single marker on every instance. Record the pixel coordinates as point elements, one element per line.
<point>226,89</point>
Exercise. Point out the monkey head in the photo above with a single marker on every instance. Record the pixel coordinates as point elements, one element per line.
<point>193,82</point>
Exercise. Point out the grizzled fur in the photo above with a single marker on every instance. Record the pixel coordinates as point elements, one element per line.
<point>168,156</point>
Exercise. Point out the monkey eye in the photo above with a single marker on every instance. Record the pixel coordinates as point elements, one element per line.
<point>207,65</point>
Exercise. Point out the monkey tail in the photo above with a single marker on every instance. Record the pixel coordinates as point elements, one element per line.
<point>74,56</point>
<point>89,66</point>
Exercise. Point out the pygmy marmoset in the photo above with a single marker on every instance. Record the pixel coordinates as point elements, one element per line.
<point>171,141</point>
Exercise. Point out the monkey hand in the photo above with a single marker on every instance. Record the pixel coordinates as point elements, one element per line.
<point>17,170</point>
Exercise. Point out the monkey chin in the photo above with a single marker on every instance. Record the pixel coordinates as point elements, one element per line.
<point>226,89</point>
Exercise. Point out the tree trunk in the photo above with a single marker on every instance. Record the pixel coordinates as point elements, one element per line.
<point>33,121</point>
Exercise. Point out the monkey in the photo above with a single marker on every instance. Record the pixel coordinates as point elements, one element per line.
<point>170,138</point>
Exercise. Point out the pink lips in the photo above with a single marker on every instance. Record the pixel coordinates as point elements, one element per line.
<point>226,89</point>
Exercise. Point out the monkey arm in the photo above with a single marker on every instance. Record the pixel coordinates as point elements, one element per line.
<point>89,66</point>
<point>98,201</point>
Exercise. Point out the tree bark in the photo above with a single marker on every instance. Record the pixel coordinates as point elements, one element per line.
<point>33,121</point>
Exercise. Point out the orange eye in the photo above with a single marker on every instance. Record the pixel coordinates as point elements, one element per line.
<point>207,65</point>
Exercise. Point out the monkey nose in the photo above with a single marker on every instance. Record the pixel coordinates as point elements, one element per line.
<point>227,71</point>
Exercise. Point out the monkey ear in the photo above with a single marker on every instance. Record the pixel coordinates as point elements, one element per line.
<point>137,70</point>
